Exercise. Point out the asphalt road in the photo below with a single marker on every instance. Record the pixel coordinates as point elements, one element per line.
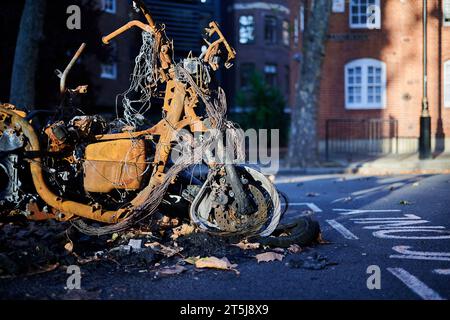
<point>395,229</point>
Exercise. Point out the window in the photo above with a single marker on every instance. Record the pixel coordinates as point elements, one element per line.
<point>286,33</point>
<point>109,71</point>
<point>365,84</point>
<point>447,84</point>
<point>296,32</point>
<point>365,14</point>
<point>246,29</point>
<point>446,13</point>
<point>270,74</point>
<point>246,72</point>
<point>302,18</point>
<point>109,6</point>
<point>270,29</point>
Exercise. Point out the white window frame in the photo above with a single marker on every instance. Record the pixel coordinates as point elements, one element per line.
<point>109,71</point>
<point>250,41</point>
<point>365,63</point>
<point>376,25</point>
<point>447,84</point>
<point>110,9</point>
<point>286,33</point>
<point>302,17</point>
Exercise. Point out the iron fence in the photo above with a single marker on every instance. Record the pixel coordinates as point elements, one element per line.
<point>361,137</point>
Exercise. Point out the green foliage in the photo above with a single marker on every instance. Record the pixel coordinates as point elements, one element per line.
<point>263,108</point>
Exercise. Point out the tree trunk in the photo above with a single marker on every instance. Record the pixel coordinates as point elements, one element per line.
<point>303,143</point>
<point>27,52</point>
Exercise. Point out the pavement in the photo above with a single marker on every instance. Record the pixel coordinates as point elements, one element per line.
<point>389,238</point>
<point>381,165</point>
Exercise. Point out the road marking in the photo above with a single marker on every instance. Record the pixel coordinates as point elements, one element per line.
<point>444,272</point>
<point>417,286</point>
<point>390,226</point>
<point>405,253</point>
<point>342,230</point>
<point>358,211</point>
<point>386,234</point>
<point>310,205</point>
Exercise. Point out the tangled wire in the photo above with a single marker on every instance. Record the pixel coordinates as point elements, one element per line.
<point>144,79</point>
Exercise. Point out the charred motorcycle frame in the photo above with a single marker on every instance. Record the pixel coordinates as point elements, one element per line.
<point>120,172</point>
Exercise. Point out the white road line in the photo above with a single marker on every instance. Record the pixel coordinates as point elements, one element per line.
<point>406,250</point>
<point>342,230</point>
<point>417,286</point>
<point>444,272</point>
<point>417,257</point>
<point>310,205</point>
<point>357,211</point>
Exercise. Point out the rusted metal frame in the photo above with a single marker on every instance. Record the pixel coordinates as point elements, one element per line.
<point>214,47</point>
<point>62,82</point>
<point>145,12</point>
<point>129,25</point>
<point>63,209</point>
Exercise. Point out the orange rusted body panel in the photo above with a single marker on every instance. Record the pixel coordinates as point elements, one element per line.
<point>118,164</point>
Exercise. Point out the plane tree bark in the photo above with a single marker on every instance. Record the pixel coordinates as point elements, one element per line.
<point>303,142</point>
<point>22,92</point>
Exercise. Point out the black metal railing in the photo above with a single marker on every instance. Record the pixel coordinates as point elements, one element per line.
<point>361,137</point>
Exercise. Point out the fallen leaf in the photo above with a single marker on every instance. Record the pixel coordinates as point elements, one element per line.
<point>69,247</point>
<point>268,256</point>
<point>294,248</point>
<point>215,263</point>
<point>183,230</point>
<point>165,250</point>
<point>45,269</point>
<point>244,245</point>
<point>279,250</point>
<point>82,261</point>
<point>416,184</point>
<point>405,202</point>
<point>192,260</point>
<point>167,271</point>
<point>321,240</point>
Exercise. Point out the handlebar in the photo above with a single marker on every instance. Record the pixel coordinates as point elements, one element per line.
<point>129,25</point>
<point>135,23</point>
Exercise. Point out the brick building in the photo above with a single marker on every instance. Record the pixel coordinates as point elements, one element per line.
<point>371,88</point>
<point>260,32</point>
<point>111,77</point>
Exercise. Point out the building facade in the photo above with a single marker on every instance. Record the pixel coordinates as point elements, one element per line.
<point>372,77</point>
<point>260,31</point>
<point>112,76</point>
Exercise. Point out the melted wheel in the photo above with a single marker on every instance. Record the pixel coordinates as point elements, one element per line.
<point>230,221</point>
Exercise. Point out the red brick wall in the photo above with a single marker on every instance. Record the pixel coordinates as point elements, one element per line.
<point>399,45</point>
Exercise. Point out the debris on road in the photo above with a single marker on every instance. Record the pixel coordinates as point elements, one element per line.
<point>294,248</point>
<point>29,247</point>
<point>312,194</point>
<point>245,245</point>
<point>268,257</point>
<point>172,270</point>
<point>312,262</point>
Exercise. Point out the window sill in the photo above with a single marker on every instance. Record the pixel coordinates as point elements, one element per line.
<point>364,107</point>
